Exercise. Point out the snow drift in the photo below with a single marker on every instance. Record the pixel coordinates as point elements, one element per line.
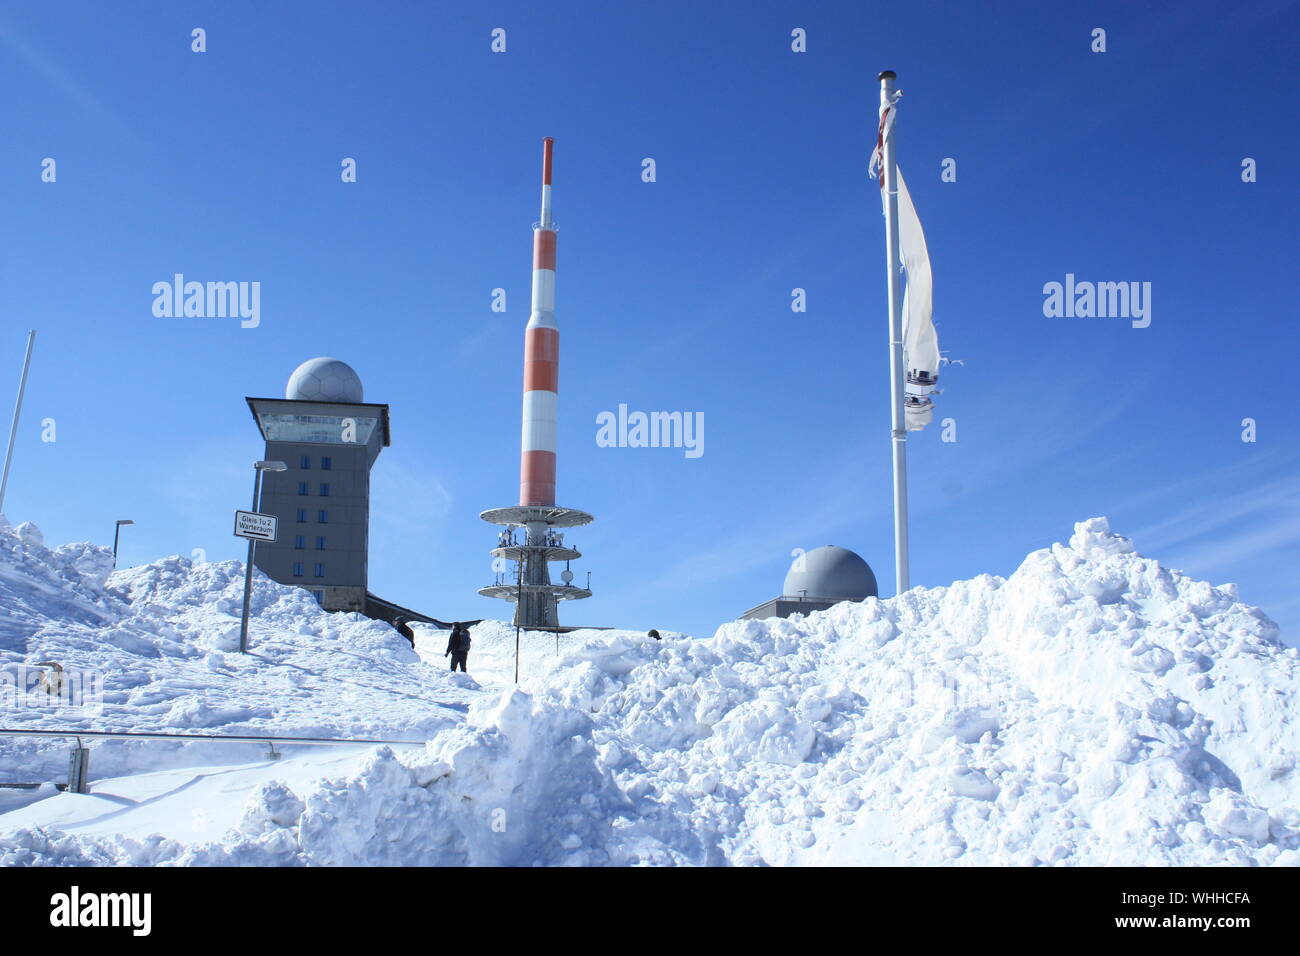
<point>161,641</point>
<point>1093,708</point>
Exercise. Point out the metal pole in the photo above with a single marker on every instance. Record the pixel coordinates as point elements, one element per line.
<point>18,410</point>
<point>248,566</point>
<point>235,738</point>
<point>899,423</point>
<point>117,533</point>
<point>79,769</point>
<point>519,596</point>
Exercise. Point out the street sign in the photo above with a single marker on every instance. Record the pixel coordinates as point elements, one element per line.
<point>257,527</point>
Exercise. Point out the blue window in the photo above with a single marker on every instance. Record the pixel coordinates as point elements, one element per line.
<point>305,461</point>
<point>324,489</point>
<point>302,488</point>
<point>298,542</point>
<point>323,516</point>
<point>318,594</point>
<point>297,569</point>
<point>320,570</point>
<point>325,463</point>
<point>320,542</point>
<point>302,514</point>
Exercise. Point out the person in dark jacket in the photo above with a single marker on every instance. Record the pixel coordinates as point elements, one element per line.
<point>404,629</point>
<point>458,646</point>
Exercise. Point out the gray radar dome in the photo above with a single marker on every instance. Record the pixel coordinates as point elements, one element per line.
<point>324,380</point>
<point>830,574</point>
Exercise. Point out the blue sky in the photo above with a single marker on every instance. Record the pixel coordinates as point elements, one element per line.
<point>672,295</point>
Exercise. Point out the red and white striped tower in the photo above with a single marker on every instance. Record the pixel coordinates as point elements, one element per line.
<point>541,360</point>
<point>530,586</point>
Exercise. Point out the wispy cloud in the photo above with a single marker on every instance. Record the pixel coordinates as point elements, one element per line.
<point>58,75</point>
<point>1237,545</point>
<point>841,503</point>
<point>409,500</point>
<point>1262,517</point>
<point>1251,536</point>
<point>835,486</point>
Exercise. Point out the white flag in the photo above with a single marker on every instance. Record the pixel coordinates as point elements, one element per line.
<point>920,341</point>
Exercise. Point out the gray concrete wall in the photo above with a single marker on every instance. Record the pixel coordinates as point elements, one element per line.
<point>784,607</point>
<point>346,531</point>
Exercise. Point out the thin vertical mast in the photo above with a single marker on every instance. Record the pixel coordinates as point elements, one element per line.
<point>548,145</point>
<point>18,410</point>
<point>899,422</point>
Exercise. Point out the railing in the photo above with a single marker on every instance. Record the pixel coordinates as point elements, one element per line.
<point>79,761</point>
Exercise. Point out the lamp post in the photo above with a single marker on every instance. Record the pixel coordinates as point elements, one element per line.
<point>117,532</point>
<point>259,468</point>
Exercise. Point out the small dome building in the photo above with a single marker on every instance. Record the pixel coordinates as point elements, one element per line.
<point>818,579</point>
<point>830,574</point>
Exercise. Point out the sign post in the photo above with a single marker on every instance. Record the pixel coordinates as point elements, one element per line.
<point>255,527</point>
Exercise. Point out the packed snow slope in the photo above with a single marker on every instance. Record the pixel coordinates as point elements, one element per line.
<point>1092,708</point>
<point>163,639</point>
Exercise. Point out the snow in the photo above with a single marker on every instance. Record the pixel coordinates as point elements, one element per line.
<point>163,639</point>
<point>1094,708</point>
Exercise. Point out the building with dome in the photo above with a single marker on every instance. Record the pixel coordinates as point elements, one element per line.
<point>329,436</point>
<point>818,579</point>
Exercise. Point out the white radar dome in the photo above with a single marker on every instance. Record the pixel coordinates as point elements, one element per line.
<point>324,380</point>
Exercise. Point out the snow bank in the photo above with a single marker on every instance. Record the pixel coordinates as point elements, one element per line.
<point>155,648</point>
<point>39,586</point>
<point>1093,708</point>
<point>519,783</point>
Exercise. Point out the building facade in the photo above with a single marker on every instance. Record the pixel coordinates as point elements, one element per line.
<point>329,439</point>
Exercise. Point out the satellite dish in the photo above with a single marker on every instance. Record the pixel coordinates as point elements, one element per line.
<point>566,576</point>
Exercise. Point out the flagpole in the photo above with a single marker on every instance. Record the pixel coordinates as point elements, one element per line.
<point>18,411</point>
<point>899,429</point>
